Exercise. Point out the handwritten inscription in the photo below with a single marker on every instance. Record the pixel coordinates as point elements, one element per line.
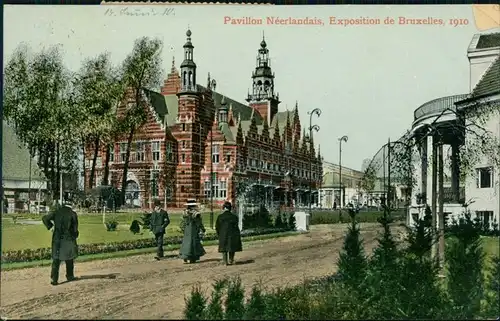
<point>139,12</point>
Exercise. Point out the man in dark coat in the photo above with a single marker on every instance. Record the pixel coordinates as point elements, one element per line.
<point>158,224</point>
<point>228,231</point>
<point>64,247</point>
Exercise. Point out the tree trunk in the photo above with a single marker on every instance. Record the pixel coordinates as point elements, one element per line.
<point>105,179</point>
<point>125,166</point>
<point>84,169</point>
<point>94,162</point>
<point>58,165</point>
<point>53,169</point>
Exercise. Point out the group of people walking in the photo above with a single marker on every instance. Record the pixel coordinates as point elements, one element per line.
<point>65,234</point>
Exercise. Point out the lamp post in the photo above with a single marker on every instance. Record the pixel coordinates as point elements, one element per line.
<point>317,112</point>
<point>342,201</point>
<point>213,85</point>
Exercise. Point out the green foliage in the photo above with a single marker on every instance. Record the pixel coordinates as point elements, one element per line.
<point>492,290</point>
<point>135,227</point>
<point>195,305</point>
<point>146,220</point>
<point>332,217</point>
<point>255,304</point>
<point>214,308</point>
<point>352,260</point>
<point>278,221</point>
<point>39,104</point>
<point>291,224</point>
<point>235,301</point>
<point>465,261</point>
<point>261,219</point>
<point>111,225</point>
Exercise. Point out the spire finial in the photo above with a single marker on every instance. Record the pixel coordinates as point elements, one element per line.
<point>208,81</point>
<point>173,65</point>
<point>296,104</point>
<point>263,36</point>
<point>223,101</point>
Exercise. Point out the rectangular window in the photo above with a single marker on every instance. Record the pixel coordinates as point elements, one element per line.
<point>140,151</point>
<point>111,153</point>
<point>183,158</point>
<point>170,152</point>
<point>155,150</point>
<point>484,178</point>
<point>207,189</point>
<point>485,217</point>
<point>183,144</point>
<point>228,158</point>
<point>183,127</point>
<point>155,175</point>
<point>123,152</point>
<point>215,154</point>
<point>223,189</point>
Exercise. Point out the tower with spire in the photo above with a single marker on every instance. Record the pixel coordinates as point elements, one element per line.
<point>188,67</point>
<point>187,128</point>
<point>262,97</point>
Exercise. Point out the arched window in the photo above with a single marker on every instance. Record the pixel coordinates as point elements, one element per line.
<point>184,79</point>
<point>190,78</point>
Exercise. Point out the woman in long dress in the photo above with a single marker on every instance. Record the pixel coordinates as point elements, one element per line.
<point>191,249</point>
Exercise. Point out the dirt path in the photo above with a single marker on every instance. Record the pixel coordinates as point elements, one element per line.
<point>140,288</point>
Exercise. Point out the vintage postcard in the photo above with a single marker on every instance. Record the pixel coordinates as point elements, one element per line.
<point>243,141</point>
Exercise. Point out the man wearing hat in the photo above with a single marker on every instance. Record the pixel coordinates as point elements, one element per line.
<point>158,224</point>
<point>229,235</point>
<point>64,248</point>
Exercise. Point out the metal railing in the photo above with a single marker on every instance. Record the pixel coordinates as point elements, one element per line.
<point>438,105</point>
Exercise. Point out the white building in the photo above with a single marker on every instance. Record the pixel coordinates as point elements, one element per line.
<point>330,191</point>
<point>20,182</point>
<point>439,128</point>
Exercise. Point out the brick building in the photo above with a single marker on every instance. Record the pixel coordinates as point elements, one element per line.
<point>192,131</point>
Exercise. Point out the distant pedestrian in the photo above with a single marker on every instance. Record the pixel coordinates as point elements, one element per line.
<point>158,225</point>
<point>64,248</point>
<point>191,249</point>
<point>229,235</point>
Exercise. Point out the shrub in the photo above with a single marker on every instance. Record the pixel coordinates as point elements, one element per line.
<point>111,226</point>
<point>352,261</point>
<point>146,220</point>
<point>292,226</point>
<point>492,308</point>
<point>135,227</point>
<point>465,260</point>
<point>279,222</point>
<point>214,308</point>
<point>261,219</point>
<point>234,304</point>
<point>195,305</point>
<point>256,304</point>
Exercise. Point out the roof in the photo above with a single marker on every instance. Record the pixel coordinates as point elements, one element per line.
<point>158,102</point>
<point>16,158</point>
<point>490,40</point>
<point>490,81</point>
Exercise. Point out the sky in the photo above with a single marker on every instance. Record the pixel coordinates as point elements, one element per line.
<point>367,79</point>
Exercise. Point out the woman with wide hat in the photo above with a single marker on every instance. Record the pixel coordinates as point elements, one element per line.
<point>191,249</point>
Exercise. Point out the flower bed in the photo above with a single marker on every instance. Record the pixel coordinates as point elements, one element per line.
<point>86,249</point>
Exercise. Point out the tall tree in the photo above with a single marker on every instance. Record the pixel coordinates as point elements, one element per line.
<point>37,98</point>
<point>141,69</point>
<point>99,90</point>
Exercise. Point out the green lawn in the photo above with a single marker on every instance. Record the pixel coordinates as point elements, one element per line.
<point>16,236</point>
<point>491,246</point>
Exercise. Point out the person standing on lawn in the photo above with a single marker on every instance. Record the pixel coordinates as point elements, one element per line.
<point>64,248</point>
<point>228,232</point>
<point>158,225</point>
<point>191,249</point>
